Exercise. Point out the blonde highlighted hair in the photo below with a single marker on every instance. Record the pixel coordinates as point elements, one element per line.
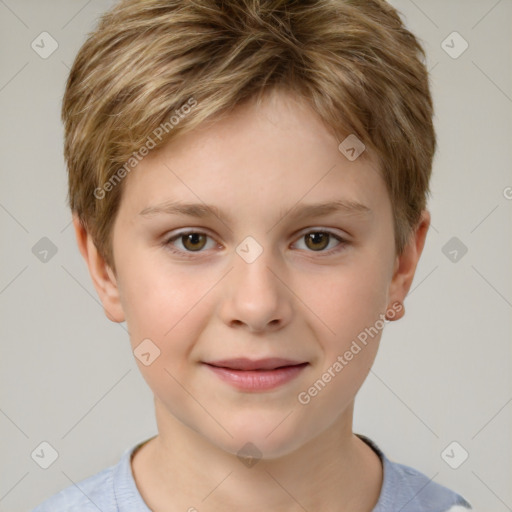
<point>354,61</point>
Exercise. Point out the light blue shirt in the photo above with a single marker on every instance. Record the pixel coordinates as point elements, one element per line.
<point>113,489</point>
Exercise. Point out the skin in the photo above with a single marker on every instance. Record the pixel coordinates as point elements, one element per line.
<point>293,301</point>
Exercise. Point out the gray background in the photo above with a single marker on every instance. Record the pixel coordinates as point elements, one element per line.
<point>68,376</point>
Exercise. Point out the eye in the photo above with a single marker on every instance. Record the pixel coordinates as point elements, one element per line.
<point>191,241</point>
<point>317,241</point>
<point>195,241</point>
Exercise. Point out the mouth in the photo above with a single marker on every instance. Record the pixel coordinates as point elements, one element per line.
<point>256,375</point>
<point>244,364</point>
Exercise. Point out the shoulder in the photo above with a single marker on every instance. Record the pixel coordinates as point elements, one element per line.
<point>111,490</point>
<point>89,495</point>
<point>408,490</point>
<point>418,492</point>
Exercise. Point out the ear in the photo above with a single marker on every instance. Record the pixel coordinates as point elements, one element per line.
<point>102,275</point>
<point>405,263</point>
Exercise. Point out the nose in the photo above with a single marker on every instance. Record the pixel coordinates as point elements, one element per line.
<point>255,296</point>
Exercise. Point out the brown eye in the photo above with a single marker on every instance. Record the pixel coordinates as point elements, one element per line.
<point>193,241</point>
<point>324,242</point>
<point>317,240</point>
<point>189,242</point>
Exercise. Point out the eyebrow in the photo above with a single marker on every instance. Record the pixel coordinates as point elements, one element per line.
<point>202,210</point>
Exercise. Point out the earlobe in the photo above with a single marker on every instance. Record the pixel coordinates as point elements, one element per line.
<point>406,263</point>
<point>103,277</point>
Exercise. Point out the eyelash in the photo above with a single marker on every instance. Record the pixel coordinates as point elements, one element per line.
<point>190,254</point>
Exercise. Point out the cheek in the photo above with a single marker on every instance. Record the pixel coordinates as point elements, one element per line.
<point>156,300</point>
<point>350,305</point>
<point>346,300</point>
<point>164,318</point>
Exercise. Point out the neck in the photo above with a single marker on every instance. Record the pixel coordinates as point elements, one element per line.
<point>335,471</point>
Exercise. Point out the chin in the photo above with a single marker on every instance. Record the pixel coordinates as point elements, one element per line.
<point>259,437</point>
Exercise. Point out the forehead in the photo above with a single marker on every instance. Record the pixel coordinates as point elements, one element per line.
<point>270,157</point>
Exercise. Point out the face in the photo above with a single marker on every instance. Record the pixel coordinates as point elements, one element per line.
<point>266,278</point>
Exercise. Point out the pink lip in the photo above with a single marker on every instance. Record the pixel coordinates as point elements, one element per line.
<point>260,375</point>
<point>242,363</point>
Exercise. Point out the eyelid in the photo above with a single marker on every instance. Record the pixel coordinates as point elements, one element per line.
<point>323,229</point>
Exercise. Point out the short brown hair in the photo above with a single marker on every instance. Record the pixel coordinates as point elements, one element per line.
<point>354,61</point>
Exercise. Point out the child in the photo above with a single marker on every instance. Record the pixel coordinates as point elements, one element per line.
<point>254,129</point>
